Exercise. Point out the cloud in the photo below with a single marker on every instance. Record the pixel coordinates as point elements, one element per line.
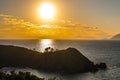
<point>5,15</point>
<point>16,28</point>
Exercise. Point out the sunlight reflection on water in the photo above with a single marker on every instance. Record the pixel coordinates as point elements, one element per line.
<point>44,43</point>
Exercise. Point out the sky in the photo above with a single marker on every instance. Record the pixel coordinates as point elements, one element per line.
<point>74,19</point>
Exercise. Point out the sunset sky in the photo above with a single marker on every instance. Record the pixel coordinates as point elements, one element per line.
<point>72,19</point>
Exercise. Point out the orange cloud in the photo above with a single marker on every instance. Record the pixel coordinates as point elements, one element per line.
<point>16,28</point>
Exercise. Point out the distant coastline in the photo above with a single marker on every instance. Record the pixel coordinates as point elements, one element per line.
<point>116,37</point>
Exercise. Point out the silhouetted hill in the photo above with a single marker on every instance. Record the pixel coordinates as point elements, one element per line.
<point>63,61</point>
<point>116,37</point>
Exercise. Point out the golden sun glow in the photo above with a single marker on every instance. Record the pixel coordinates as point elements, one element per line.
<point>47,11</point>
<point>44,43</point>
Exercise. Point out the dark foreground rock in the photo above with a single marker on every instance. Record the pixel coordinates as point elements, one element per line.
<point>61,61</point>
<point>101,66</point>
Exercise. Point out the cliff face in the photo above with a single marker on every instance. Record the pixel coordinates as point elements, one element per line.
<point>116,37</point>
<point>63,61</point>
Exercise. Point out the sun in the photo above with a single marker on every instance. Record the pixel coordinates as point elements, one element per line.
<point>47,11</point>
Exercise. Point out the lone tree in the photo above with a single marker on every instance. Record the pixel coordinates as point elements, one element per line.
<point>49,49</point>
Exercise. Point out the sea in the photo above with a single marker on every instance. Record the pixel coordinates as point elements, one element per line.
<point>107,51</point>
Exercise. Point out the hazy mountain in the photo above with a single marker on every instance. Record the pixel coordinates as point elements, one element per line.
<point>116,37</point>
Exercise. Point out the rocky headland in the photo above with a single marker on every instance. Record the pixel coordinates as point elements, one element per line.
<point>68,61</point>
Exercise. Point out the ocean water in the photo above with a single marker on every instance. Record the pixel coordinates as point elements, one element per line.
<point>96,50</point>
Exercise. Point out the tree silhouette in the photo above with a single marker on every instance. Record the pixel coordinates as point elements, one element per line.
<point>49,49</point>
